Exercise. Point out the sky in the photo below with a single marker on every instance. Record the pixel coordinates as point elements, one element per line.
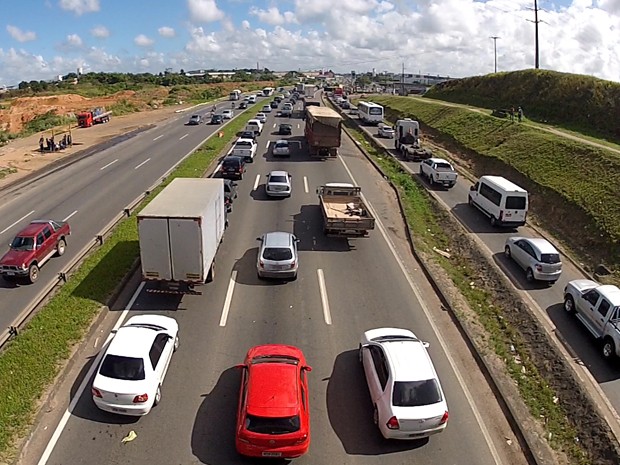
<point>40,39</point>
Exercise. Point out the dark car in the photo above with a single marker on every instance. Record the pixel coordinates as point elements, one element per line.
<point>243,106</point>
<point>233,167</point>
<point>248,135</point>
<point>217,119</point>
<point>194,120</point>
<point>273,104</point>
<point>285,129</point>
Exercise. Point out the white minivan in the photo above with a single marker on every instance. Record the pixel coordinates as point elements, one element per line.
<point>255,126</point>
<point>501,200</point>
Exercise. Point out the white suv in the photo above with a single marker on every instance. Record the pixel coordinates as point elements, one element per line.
<point>404,388</point>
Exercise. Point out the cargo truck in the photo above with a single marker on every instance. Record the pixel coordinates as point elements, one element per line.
<point>323,131</point>
<point>344,211</point>
<point>407,141</point>
<point>96,116</point>
<point>179,232</point>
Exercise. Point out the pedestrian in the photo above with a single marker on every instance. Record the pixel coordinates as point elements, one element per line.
<point>69,140</point>
<point>512,113</point>
<point>520,114</point>
<point>41,141</point>
<point>47,145</point>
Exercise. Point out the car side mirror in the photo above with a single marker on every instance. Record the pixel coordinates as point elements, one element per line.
<point>240,366</point>
<point>258,239</point>
<point>308,368</point>
<point>426,345</point>
<point>114,331</point>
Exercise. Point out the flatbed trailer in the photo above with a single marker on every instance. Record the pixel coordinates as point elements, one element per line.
<point>344,211</point>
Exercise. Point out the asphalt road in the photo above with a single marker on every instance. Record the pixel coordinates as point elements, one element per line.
<point>90,193</point>
<point>365,287</point>
<point>548,301</point>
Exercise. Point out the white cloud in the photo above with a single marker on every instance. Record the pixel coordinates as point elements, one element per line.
<point>166,31</point>
<point>19,35</point>
<point>79,7</point>
<point>100,31</point>
<point>74,40</point>
<point>143,41</point>
<point>204,11</point>
<point>273,16</point>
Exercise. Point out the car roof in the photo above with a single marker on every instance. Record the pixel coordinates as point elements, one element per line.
<point>409,360</point>
<point>132,341</point>
<point>543,245</point>
<point>273,389</point>
<point>503,184</point>
<point>277,239</point>
<point>33,228</point>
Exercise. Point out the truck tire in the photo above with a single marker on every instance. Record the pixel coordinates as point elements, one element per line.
<point>211,274</point>
<point>33,273</point>
<point>569,304</point>
<point>60,247</point>
<point>608,348</point>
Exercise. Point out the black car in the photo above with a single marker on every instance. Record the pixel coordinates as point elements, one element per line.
<point>233,167</point>
<point>230,193</point>
<point>247,135</point>
<point>285,129</point>
<point>217,119</point>
<point>243,106</point>
<point>273,104</point>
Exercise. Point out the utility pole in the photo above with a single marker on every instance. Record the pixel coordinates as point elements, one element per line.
<point>402,81</point>
<point>495,49</point>
<point>536,21</point>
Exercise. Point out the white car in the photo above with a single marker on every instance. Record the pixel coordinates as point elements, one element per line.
<point>537,256</point>
<point>278,184</point>
<point>262,117</point>
<point>281,149</point>
<point>228,114</point>
<point>266,109</point>
<point>404,388</point>
<point>134,365</point>
<point>385,131</point>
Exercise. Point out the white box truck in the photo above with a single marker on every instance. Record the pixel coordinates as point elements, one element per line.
<point>180,231</point>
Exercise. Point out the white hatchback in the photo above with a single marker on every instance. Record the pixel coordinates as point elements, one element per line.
<point>266,109</point>
<point>281,149</point>
<point>228,114</point>
<point>262,117</point>
<point>278,184</point>
<point>404,388</point>
<point>134,365</point>
<point>537,256</point>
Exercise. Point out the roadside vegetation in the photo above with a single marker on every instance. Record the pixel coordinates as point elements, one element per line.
<point>30,363</point>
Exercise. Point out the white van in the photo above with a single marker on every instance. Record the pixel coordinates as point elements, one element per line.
<point>501,200</point>
<point>252,99</point>
<point>255,126</point>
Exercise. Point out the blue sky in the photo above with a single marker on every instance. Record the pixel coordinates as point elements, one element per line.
<point>40,39</point>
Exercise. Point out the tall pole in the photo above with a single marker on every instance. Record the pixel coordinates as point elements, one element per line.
<point>495,49</point>
<point>402,81</point>
<point>537,65</point>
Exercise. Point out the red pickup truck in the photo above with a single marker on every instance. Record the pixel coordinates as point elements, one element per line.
<point>32,247</point>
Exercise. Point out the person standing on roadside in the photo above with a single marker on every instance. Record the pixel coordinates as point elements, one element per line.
<point>520,114</point>
<point>512,113</point>
<point>41,142</point>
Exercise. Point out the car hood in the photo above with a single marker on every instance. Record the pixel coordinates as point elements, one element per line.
<point>16,257</point>
<point>583,285</point>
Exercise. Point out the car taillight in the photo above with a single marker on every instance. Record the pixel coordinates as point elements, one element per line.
<point>95,392</point>
<point>302,439</point>
<point>393,423</point>
<point>444,419</point>
<point>261,264</point>
<point>141,398</point>
<point>293,264</point>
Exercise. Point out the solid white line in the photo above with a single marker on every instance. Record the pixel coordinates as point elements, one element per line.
<point>256,182</point>
<point>22,218</point>
<point>159,137</point>
<point>109,164</point>
<point>267,146</point>
<point>228,300</point>
<point>67,218</point>
<point>323,290</point>
<point>144,162</point>
<point>78,394</point>
<point>183,137</point>
<point>306,184</point>
<point>427,313</point>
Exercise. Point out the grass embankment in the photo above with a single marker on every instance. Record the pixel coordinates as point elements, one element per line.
<point>31,362</point>
<point>428,225</point>
<point>574,185</point>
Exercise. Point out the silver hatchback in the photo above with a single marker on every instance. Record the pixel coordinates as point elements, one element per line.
<point>538,257</point>
<point>277,256</point>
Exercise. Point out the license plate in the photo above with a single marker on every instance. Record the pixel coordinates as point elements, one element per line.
<point>416,435</point>
<point>272,454</point>
<point>119,410</point>
<point>10,273</point>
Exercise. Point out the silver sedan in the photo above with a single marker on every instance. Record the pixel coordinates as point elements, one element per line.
<point>538,257</point>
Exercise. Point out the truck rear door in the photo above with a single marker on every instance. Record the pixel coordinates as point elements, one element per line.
<point>186,249</point>
<point>154,253</point>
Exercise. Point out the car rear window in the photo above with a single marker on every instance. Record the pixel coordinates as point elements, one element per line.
<point>271,425</point>
<point>277,253</point>
<point>550,258</point>
<point>515,203</point>
<point>282,144</point>
<point>277,179</point>
<point>230,162</point>
<point>443,167</point>
<point>119,367</point>
<point>23,243</point>
<point>416,393</point>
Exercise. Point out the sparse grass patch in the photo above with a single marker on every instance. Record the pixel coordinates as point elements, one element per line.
<point>6,171</point>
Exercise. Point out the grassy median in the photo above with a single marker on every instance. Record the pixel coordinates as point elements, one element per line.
<point>30,363</point>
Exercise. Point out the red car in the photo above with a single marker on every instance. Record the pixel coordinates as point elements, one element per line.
<point>32,247</point>
<point>273,419</point>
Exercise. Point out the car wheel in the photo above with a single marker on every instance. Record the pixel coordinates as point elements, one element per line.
<point>359,354</point>
<point>529,275</point>
<point>176,343</point>
<point>60,247</point>
<point>507,252</point>
<point>431,181</point>
<point>569,304</point>
<point>609,348</point>
<point>375,416</point>
<point>33,273</point>
<point>157,399</point>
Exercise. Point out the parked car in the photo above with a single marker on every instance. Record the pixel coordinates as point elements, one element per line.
<point>217,119</point>
<point>281,149</point>
<point>285,129</point>
<point>233,167</point>
<point>243,105</point>
<point>266,109</point>
<point>32,247</point>
<point>407,398</point>
<point>537,256</point>
<point>129,379</point>
<point>228,114</point>
<point>278,184</point>
<point>273,416</point>
<point>194,120</point>
<point>277,256</point>
<point>262,117</point>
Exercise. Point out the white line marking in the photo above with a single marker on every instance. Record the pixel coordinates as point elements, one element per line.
<point>78,394</point>
<point>143,163</point>
<point>306,184</point>
<point>109,164</point>
<point>67,218</point>
<point>159,137</point>
<point>298,125</point>
<point>22,218</point>
<point>256,182</point>
<point>267,146</point>
<point>418,294</point>
<point>228,300</point>
<point>183,137</point>
<point>274,125</point>
<point>323,290</point>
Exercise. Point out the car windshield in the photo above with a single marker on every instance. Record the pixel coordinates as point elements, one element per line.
<point>271,425</point>
<point>278,178</point>
<point>550,258</point>
<point>277,254</point>
<point>23,243</point>
<point>416,393</point>
<point>125,368</point>
<point>282,145</point>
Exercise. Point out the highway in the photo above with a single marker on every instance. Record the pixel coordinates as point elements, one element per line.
<point>344,288</point>
<point>89,194</point>
<point>547,301</point>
